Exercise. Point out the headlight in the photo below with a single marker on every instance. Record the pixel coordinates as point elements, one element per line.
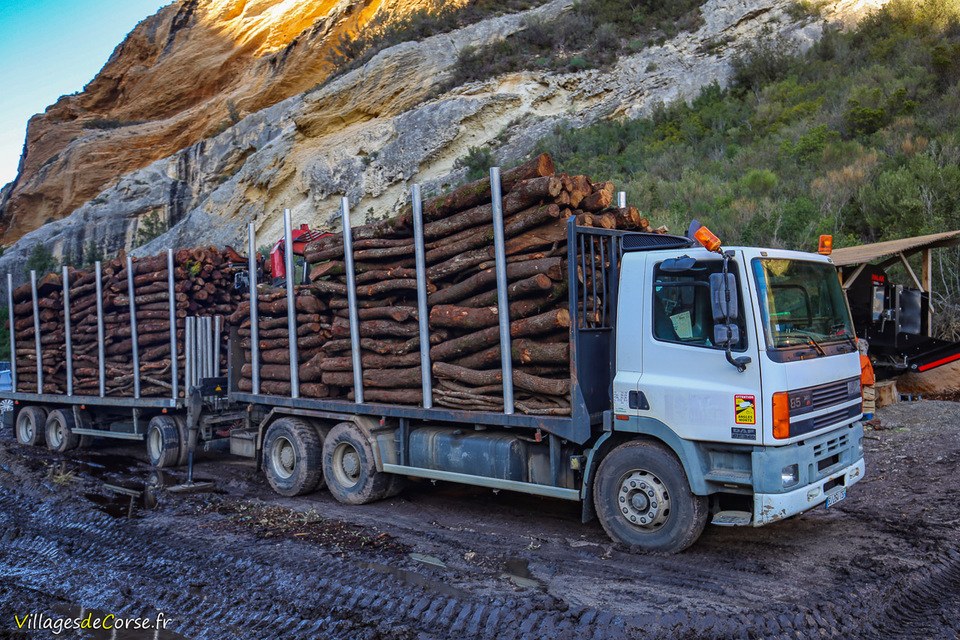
<point>790,475</point>
<point>853,387</point>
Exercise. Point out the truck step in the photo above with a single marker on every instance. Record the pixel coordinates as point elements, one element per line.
<point>732,518</point>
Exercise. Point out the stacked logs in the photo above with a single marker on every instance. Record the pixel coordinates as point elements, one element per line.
<point>313,329</point>
<point>203,286</point>
<point>462,299</point>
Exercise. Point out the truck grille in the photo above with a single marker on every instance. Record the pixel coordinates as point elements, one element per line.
<point>828,419</point>
<point>830,446</point>
<point>829,395</point>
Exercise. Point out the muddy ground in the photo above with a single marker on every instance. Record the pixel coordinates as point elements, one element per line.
<point>443,561</point>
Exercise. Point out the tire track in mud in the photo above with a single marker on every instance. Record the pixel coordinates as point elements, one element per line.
<point>44,555</point>
<point>222,585</point>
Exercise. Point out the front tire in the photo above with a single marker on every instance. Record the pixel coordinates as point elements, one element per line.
<point>31,423</point>
<point>350,467</point>
<point>643,499</point>
<point>59,431</point>
<point>292,457</point>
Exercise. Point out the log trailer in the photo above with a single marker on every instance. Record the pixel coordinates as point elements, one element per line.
<point>710,384</point>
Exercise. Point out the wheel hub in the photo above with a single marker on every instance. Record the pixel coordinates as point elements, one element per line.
<point>643,499</point>
<point>346,464</point>
<point>26,430</point>
<point>284,458</point>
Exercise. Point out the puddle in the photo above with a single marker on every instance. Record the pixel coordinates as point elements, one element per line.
<point>416,579</point>
<point>430,560</point>
<point>517,571</point>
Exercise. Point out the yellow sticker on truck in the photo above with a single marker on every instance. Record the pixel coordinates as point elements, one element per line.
<point>745,409</point>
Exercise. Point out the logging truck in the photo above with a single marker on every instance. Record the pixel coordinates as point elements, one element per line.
<point>706,384</point>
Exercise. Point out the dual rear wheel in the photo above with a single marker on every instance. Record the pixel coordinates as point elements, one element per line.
<point>297,460</point>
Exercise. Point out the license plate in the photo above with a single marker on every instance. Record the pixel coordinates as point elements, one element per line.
<point>836,497</point>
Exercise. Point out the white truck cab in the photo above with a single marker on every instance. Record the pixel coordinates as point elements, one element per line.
<point>766,426</point>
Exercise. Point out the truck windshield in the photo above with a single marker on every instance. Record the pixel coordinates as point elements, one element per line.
<point>802,303</point>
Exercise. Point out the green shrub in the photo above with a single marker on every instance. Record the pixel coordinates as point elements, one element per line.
<point>477,162</point>
<point>759,182</point>
<point>590,35</point>
<point>761,64</point>
<point>150,227</point>
<point>41,260</point>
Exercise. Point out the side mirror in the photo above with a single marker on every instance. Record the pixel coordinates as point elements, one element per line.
<point>726,335</point>
<point>720,288</point>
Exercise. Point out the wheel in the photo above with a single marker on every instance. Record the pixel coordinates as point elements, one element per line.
<point>350,468</point>
<point>291,457</point>
<point>163,442</point>
<point>30,425</point>
<point>184,435</point>
<point>643,499</point>
<point>59,431</point>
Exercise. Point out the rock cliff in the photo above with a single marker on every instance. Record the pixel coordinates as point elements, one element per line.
<point>368,134</point>
<point>182,75</point>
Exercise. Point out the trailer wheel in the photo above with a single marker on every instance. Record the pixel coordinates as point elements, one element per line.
<point>59,431</point>
<point>163,442</point>
<point>643,499</point>
<point>350,468</point>
<point>31,423</point>
<point>292,457</point>
<point>184,435</point>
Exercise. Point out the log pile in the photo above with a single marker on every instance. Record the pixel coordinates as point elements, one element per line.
<point>203,287</point>
<point>462,299</point>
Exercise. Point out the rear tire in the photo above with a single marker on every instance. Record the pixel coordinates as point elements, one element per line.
<point>163,442</point>
<point>292,457</point>
<point>643,499</point>
<point>184,434</point>
<point>59,431</point>
<point>350,467</point>
<point>31,424</point>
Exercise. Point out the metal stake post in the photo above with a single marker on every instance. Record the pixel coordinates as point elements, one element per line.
<point>291,306</point>
<point>216,346</point>
<point>36,331</point>
<point>67,330</point>
<point>101,355</point>
<point>134,337</point>
<point>425,368</point>
<point>190,354</point>
<point>622,199</point>
<point>174,364</point>
<point>352,302</point>
<point>503,304</point>
<point>13,337</point>
<point>254,307</point>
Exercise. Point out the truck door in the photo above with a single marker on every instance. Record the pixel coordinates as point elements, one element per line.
<point>686,381</point>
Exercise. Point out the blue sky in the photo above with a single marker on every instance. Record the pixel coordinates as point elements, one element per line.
<point>50,48</point>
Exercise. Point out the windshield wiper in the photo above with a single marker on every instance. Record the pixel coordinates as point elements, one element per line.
<point>816,345</point>
<point>806,338</point>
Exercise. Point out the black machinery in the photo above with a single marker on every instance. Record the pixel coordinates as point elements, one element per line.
<point>894,320</point>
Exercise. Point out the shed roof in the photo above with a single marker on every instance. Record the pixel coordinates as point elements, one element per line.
<point>869,252</point>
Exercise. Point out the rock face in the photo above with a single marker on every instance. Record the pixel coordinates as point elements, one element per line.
<point>372,132</point>
<point>191,70</point>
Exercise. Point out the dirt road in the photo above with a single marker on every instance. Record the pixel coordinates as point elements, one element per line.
<point>446,561</point>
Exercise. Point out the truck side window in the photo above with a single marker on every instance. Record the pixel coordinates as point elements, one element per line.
<point>681,306</point>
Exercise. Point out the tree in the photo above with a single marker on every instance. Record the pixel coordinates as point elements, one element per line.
<point>149,228</point>
<point>92,254</point>
<point>41,260</point>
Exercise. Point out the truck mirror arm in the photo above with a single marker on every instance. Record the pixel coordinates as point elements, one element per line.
<point>741,362</point>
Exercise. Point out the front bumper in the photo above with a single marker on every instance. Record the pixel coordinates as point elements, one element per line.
<point>771,507</point>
